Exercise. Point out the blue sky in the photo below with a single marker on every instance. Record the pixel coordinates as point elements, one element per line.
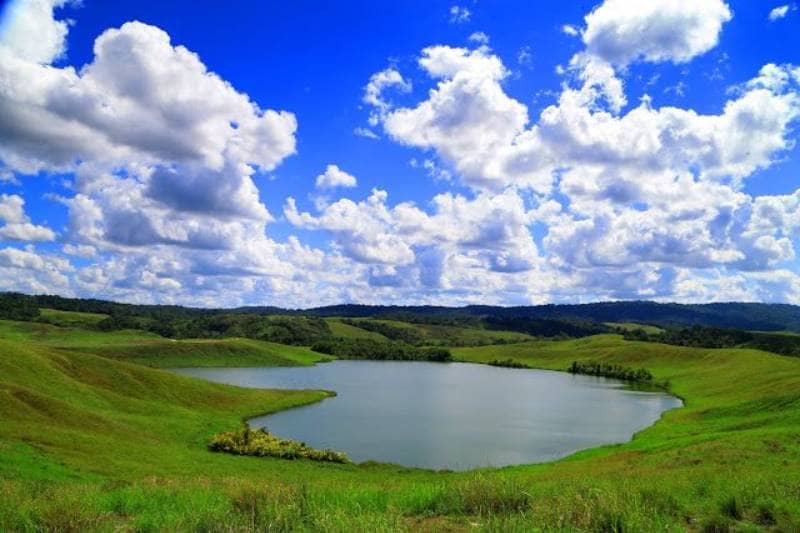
<point>473,152</point>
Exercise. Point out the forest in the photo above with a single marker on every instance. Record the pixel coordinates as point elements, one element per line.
<point>766,327</point>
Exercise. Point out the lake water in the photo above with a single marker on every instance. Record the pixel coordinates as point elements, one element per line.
<point>455,415</point>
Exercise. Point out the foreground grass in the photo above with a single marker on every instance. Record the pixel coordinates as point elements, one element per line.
<point>90,443</point>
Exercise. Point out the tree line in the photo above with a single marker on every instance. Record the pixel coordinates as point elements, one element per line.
<point>379,350</point>
<point>714,337</point>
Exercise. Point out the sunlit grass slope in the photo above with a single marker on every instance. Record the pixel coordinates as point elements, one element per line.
<point>90,443</point>
<point>69,318</point>
<point>631,326</point>
<point>444,335</point>
<point>340,329</point>
<point>150,349</point>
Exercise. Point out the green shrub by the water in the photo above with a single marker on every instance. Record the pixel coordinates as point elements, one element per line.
<point>594,368</point>
<point>262,443</point>
<point>507,363</point>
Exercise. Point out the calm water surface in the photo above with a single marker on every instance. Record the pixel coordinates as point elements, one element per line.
<point>454,415</point>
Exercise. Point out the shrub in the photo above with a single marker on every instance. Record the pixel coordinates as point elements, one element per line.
<point>507,363</point>
<point>261,443</point>
<point>593,368</point>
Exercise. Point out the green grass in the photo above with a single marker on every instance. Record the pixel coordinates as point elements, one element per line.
<point>153,350</point>
<point>91,443</point>
<point>441,335</point>
<point>69,318</point>
<point>340,329</point>
<point>632,326</point>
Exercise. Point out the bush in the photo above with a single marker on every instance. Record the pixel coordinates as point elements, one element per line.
<point>593,368</point>
<point>261,443</point>
<point>507,363</point>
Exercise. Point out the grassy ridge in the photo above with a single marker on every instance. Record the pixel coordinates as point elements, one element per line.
<point>346,331</point>
<point>69,318</point>
<point>153,350</point>
<point>98,416</point>
<point>123,447</point>
<point>446,335</point>
<point>633,326</point>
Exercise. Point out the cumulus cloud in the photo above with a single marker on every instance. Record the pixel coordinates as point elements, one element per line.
<point>778,13</point>
<point>594,197</point>
<point>30,32</point>
<point>16,224</point>
<point>27,271</point>
<point>623,31</point>
<point>570,30</point>
<point>164,151</point>
<point>645,197</point>
<point>373,92</point>
<point>489,230</point>
<point>164,154</point>
<point>479,37</point>
<point>335,177</point>
<point>467,116</point>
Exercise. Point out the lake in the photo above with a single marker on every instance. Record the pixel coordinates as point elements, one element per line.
<point>450,415</point>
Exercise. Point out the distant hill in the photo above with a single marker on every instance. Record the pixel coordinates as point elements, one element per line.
<point>749,316</point>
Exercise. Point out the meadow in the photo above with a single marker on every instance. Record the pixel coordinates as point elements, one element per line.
<point>94,437</point>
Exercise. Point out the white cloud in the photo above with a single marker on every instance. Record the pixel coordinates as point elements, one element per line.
<point>479,37</point>
<point>27,271</point>
<point>366,133</point>
<point>647,197</point>
<point>459,15</point>
<point>373,92</point>
<point>467,117</point>
<point>524,56</point>
<point>335,177</point>
<point>17,226</point>
<point>164,151</point>
<point>624,31</point>
<point>30,32</point>
<point>488,231</point>
<point>778,13</point>
<point>593,198</point>
<point>570,30</point>
<point>80,250</point>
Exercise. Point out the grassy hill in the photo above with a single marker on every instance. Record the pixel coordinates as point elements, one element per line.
<point>153,350</point>
<point>69,318</point>
<point>340,329</point>
<point>436,334</point>
<point>89,442</point>
<point>633,326</point>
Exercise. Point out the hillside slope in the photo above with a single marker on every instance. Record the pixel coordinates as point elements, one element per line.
<point>90,443</point>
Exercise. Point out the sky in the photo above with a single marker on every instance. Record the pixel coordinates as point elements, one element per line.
<point>304,153</point>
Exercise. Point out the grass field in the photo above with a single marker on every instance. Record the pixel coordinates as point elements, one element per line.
<point>69,318</point>
<point>96,443</point>
<point>152,350</point>
<point>340,329</point>
<point>631,326</point>
<point>440,335</point>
